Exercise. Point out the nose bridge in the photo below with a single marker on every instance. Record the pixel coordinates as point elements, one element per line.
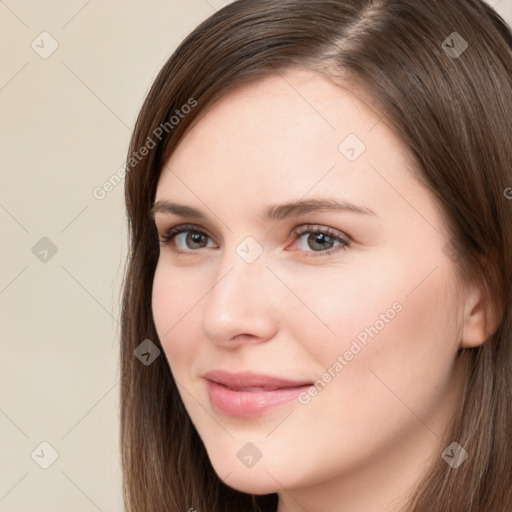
<point>243,269</point>
<point>240,301</point>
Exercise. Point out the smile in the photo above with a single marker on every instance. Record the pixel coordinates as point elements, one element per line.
<point>249,395</point>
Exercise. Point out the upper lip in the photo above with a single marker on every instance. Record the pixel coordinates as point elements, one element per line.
<point>244,380</point>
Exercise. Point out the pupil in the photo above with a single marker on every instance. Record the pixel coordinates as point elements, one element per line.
<point>196,237</point>
<point>320,238</point>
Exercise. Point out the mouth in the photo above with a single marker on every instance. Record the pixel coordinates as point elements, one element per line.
<point>248,394</point>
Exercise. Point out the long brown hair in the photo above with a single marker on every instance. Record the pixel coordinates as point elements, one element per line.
<point>452,106</point>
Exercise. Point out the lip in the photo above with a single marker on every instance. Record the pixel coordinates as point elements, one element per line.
<point>247,394</point>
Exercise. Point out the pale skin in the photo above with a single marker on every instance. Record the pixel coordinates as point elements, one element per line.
<point>368,437</point>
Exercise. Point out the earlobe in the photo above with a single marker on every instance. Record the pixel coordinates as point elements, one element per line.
<point>480,320</point>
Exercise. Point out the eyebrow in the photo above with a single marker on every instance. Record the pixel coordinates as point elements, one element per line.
<point>274,212</point>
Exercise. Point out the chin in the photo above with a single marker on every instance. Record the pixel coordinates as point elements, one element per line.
<point>252,483</point>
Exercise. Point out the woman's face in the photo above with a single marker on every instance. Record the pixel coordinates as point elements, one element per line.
<point>365,307</point>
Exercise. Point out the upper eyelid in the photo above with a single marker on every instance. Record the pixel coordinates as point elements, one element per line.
<point>167,226</point>
<point>186,227</point>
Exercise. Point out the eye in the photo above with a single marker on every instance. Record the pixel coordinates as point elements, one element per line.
<point>318,238</point>
<point>185,234</point>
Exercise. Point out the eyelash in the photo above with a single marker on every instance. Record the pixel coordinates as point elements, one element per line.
<point>298,233</point>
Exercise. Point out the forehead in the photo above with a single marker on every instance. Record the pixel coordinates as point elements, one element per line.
<point>286,136</point>
<point>284,110</point>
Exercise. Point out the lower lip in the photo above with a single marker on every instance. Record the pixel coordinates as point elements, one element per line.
<point>250,403</point>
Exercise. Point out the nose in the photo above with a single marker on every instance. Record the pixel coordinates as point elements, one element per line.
<point>241,307</point>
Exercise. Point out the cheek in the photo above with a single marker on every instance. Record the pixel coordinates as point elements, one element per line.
<point>406,359</point>
<point>342,310</point>
<point>174,314</point>
<point>417,358</point>
<point>398,322</point>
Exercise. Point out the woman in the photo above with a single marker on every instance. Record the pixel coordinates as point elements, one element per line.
<point>317,304</point>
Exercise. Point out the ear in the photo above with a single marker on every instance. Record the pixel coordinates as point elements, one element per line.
<point>480,320</point>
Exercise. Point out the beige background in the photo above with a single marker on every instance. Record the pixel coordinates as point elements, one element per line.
<point>65,125</point>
